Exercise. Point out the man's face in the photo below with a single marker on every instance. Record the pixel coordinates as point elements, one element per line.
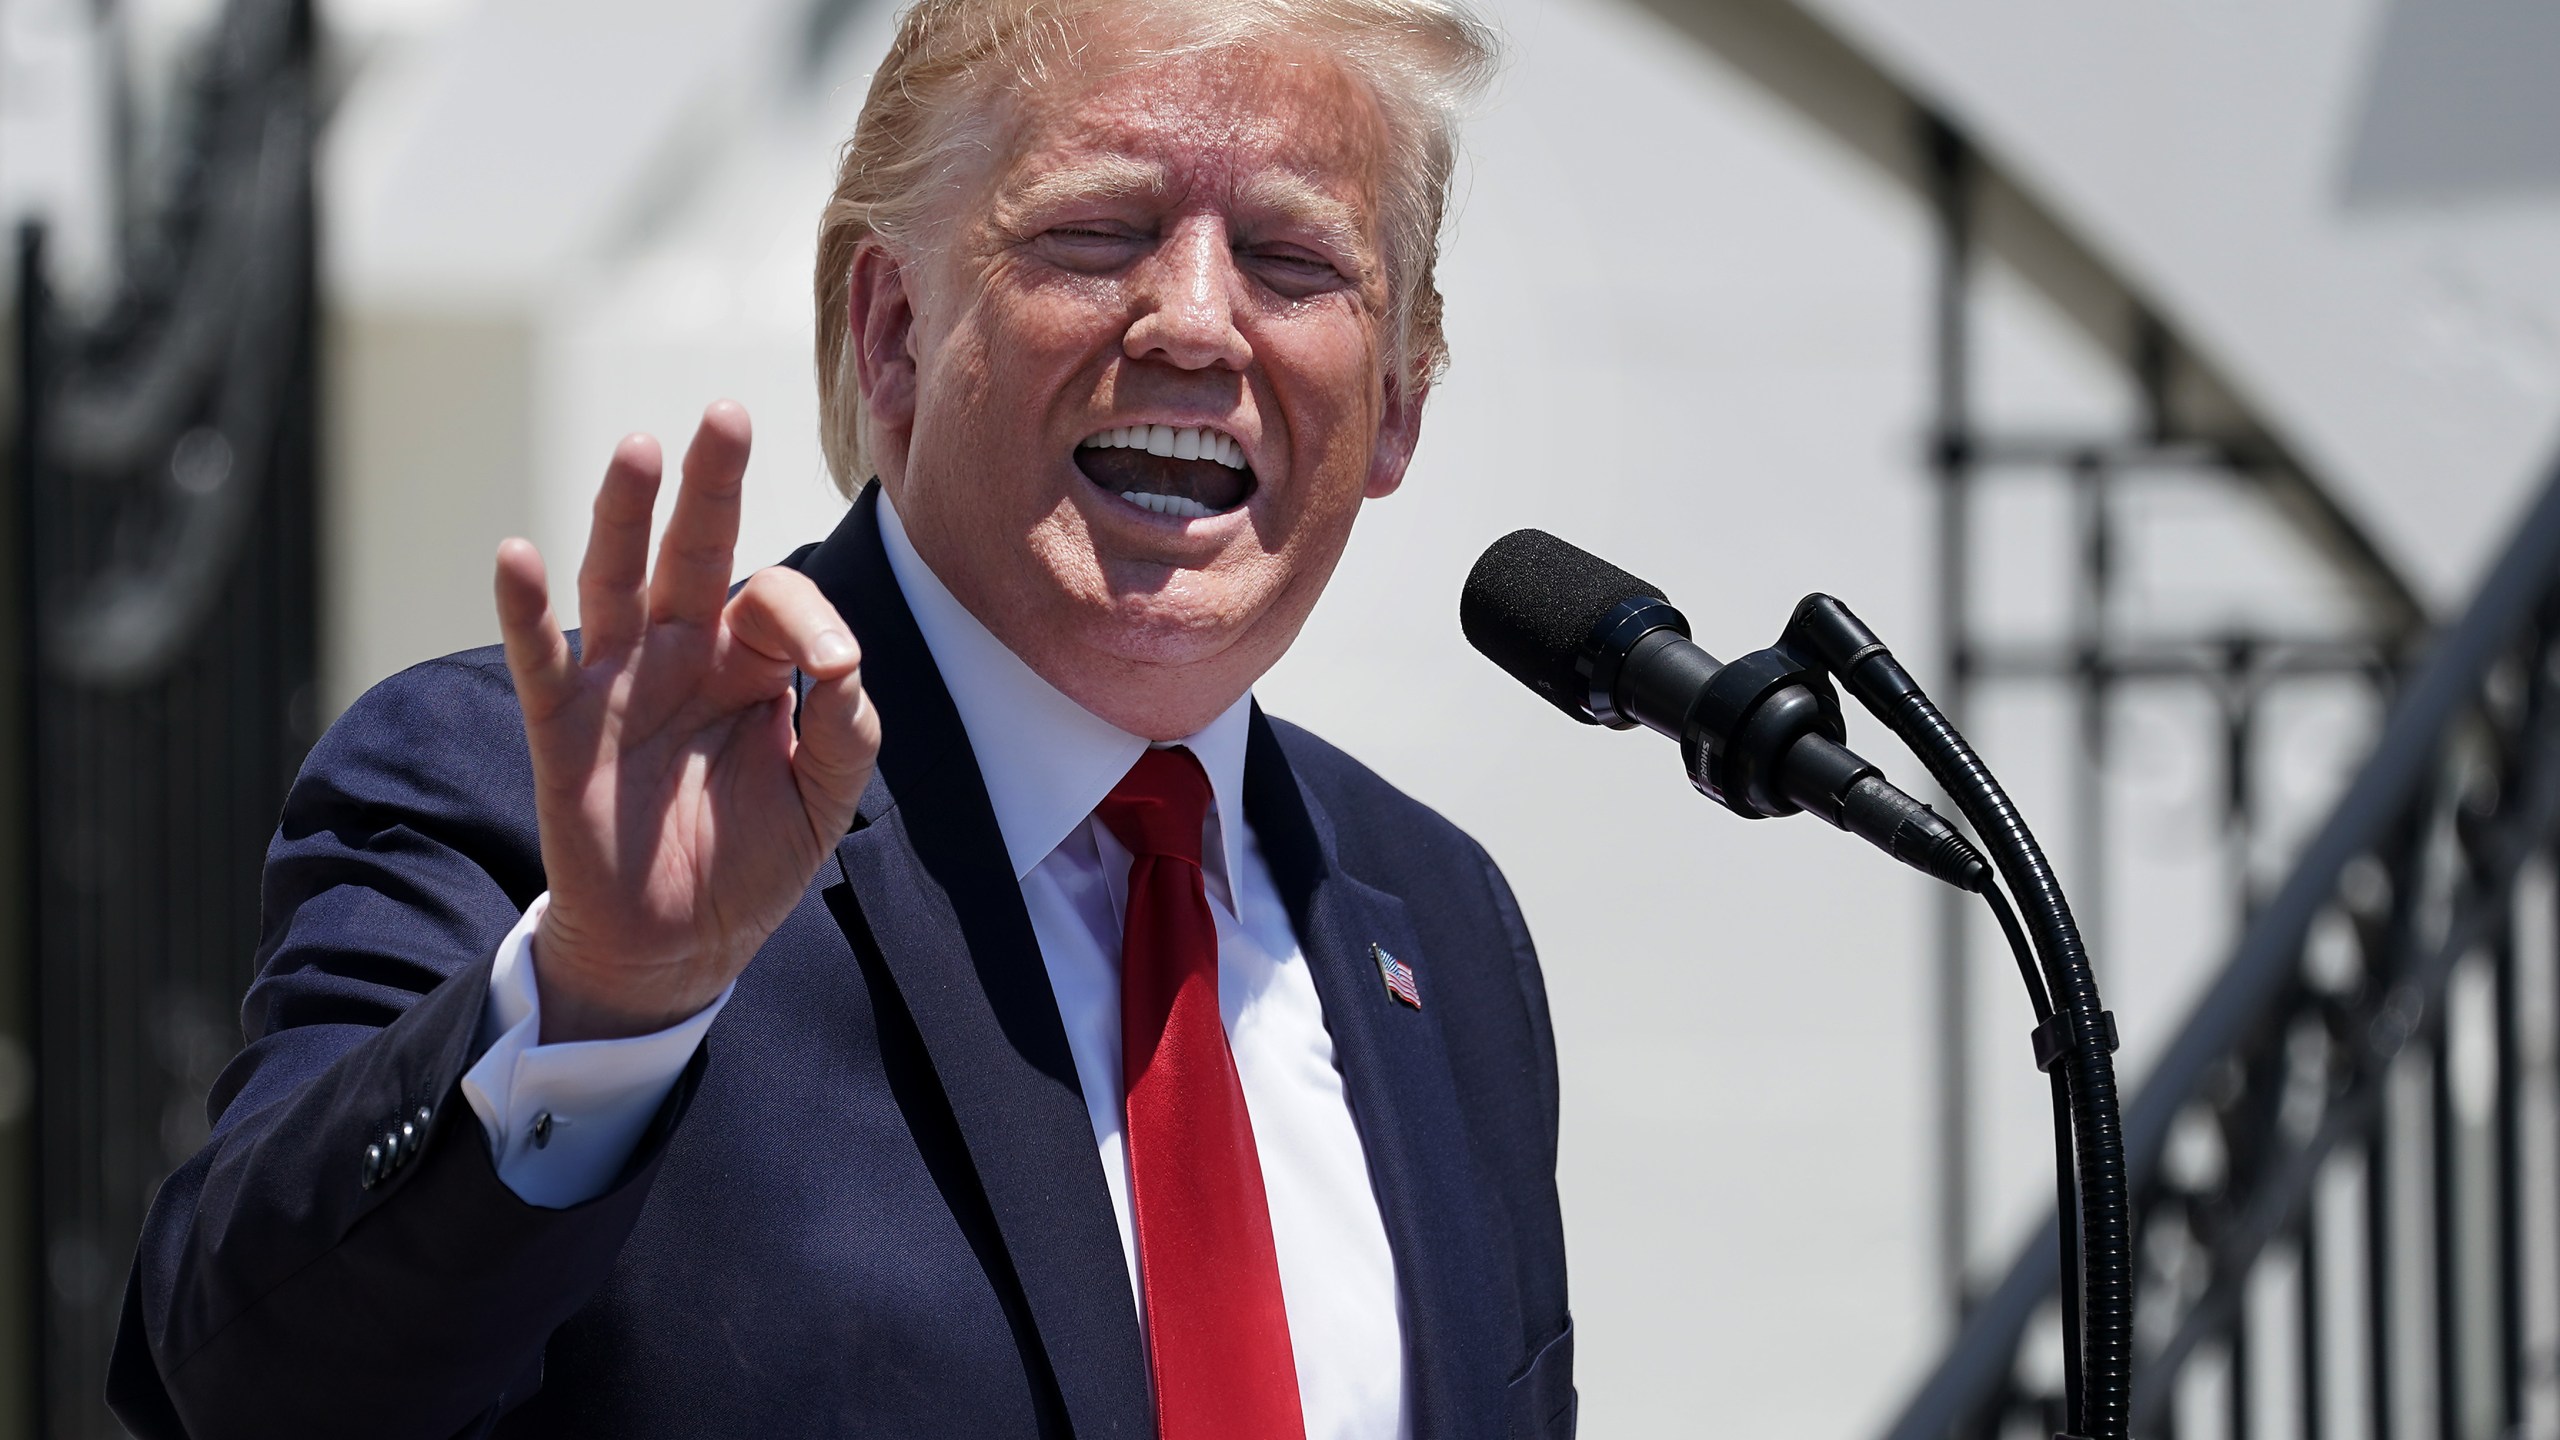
<point>1183,257</point>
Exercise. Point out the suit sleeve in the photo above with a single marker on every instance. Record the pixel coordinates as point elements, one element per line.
<point>317,1269</point>
<point>563,1119</point>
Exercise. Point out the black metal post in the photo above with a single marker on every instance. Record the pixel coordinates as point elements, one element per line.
<point>2240,789</point>
<point>2509,1120</point>
<point>2090,617</point>
<point>2443,1219</point>
<point>2378,1253</point>
<point>1951,188</point>
<point>2237,1390</point>
<point>2310,1374</point>
<point>33,369</point>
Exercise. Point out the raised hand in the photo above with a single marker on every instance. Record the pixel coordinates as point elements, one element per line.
<point>681,816</point>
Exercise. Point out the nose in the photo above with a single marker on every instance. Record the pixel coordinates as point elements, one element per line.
<point>1188,299</point>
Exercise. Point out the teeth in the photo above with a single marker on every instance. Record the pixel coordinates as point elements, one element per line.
<point>1176,505</point>
<point>1197,442</point>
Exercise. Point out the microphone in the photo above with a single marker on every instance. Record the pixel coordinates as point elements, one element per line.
<point>1760,736</point>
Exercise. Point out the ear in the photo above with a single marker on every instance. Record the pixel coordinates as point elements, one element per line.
<point>1399,430</point>
<point>881,316</point>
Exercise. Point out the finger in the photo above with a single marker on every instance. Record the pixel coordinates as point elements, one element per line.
<point>700,546</point>
<point>537,653</point>
<point>613,580</point>
<point>782,615</point>
<point>839,743</point>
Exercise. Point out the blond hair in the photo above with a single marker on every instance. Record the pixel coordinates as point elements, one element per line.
<point>1423,61</point>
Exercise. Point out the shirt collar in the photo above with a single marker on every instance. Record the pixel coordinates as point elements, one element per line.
<point>1048,761</point>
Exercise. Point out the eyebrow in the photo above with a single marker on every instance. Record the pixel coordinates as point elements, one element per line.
<point>1109,177</point>
<point>1285,193</point>
<point>1119,177</point>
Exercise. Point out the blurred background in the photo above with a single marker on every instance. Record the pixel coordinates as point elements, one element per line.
<point>2174,385</point>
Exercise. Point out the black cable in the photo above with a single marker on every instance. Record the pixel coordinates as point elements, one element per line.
<point>2066,1210</point>
<point>2018,947</point>
<point>2066,1202</point>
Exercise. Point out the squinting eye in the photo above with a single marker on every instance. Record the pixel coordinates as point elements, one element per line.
<point>1089,237</point>
<point>1293,266</point>
<point>1082,242</point>
<point>1090,248</point>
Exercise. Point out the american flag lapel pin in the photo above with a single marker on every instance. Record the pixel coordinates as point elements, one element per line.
<point>1397,974</point>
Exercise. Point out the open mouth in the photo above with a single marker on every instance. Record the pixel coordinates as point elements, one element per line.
<point>1189,473</point>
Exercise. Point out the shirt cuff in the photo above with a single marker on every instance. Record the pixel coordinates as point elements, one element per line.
<point>563,1119</point>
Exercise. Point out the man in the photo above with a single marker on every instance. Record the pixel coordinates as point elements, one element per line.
<point>917,993</point>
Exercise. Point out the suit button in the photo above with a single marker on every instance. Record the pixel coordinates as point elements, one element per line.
<point>371,1172</point>
<point>409,1136</point>
<point>542,1130</point>
<point>424,1115</point>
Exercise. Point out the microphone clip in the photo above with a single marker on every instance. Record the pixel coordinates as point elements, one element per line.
<point>1763,704</point>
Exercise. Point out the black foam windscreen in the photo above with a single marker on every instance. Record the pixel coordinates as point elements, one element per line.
<point>1531,604</point>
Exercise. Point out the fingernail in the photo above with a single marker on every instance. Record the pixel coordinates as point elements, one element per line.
<point>832,647</point>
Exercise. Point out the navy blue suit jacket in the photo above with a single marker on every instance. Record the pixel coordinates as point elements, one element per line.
<point>872,1205</point>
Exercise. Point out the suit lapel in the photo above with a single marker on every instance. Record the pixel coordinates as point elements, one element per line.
<point>1404,1100</point>
<point>931,893</point>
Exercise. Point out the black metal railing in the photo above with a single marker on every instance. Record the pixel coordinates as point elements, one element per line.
<point>165,477</point>
<point>2096,654</point>
<point>2342,1166</point>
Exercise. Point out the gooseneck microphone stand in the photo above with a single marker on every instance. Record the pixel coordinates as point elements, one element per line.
<point>2074,1037</point>
<point>1762,736</point>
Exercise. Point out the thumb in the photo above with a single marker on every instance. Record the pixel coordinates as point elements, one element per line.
<point>839,743</point>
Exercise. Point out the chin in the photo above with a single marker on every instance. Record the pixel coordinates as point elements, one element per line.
<point>1158,637</point>
<point>1184,621</point>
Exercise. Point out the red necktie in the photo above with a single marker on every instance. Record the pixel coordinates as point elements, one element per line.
<point>1217,1328</point>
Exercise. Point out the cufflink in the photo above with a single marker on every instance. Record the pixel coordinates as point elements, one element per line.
<point>542,1130</point>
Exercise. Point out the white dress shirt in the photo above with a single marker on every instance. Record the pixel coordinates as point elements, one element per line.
<point>562,1119</point>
